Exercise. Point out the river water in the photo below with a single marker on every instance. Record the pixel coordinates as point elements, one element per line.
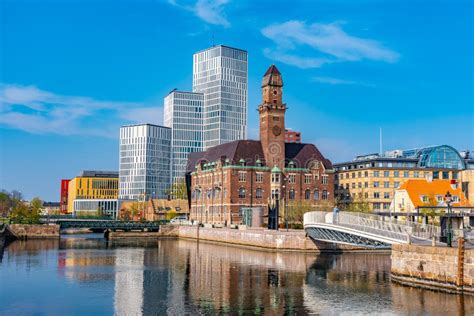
<point>86,275</point>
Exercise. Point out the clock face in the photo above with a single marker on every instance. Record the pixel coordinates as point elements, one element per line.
<point>276,130</point>
<point>275,92</point>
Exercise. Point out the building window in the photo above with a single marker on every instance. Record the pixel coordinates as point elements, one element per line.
<point>366,195</point>
<point>416,174</point>
<point>259,193</point>
<point>386,195</point>
<point>376,173</point>
<point>366,173</point>
<point>376,184</point>
<point>455,175</point>
<point>242,176</point>
<point>376,206</point>
<point>275,194</point>
<point>307,179</point>
<point>445,175</point>
<point>316,195</point>
<point>366,184</point>
<point>396,174</point>
<point>291,194</point>
<point>435,174</point>
<point>325,179</point>
<point>275,178</point>
<point>439,198</point>
<point>396,184</point>
<point>425,198</point>
<point>376,195</point>
<point>386,206</point>
<point>406,174</point>
<point>307,194</point>
<point>386,184</point>
<point>292,178</point>
<point>259,177</point>
<point>455,199</point>
<point>386,174</point>
<point>242,193</point>
<point>325,195</point>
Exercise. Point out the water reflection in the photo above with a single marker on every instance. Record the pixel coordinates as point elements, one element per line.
<point>185,277</point>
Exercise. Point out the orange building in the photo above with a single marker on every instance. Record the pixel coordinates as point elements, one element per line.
<point>414,194</point>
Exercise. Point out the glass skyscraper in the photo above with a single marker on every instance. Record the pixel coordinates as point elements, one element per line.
<point>183,113</point>
<point>145,162</point>
<point>220,73</point>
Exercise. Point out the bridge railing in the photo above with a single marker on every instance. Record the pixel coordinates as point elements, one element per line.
<point>374,224</point>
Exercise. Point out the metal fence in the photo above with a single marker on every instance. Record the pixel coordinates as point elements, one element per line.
<point>374,224</point>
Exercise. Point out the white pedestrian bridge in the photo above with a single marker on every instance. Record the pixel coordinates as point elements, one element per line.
<point>366,230</point>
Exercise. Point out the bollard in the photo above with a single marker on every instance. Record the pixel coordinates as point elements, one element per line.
<point>433,241</point>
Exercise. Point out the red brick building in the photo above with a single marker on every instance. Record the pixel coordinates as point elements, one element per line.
<point>64,196</point>
<point>249,173</point>
<point>292,136</point>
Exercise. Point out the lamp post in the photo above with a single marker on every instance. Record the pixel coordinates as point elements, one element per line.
<point>449,233</point>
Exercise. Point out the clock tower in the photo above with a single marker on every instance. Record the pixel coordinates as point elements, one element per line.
<point>272,118</point>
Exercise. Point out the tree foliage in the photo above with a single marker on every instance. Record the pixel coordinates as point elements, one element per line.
<point>178,190</point>
<point>27,213</point>
<point>295,213</point>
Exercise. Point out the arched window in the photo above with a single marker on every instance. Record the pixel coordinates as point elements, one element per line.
<point>291,194</point>
<point>307,194</point>
<point>242,193</point>
<point>316,195</point>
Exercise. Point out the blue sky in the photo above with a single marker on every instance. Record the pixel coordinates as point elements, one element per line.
<point>72,72</point>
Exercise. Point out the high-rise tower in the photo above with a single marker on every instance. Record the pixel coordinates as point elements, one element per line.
<point>220,73</point>
<point>272,118</point>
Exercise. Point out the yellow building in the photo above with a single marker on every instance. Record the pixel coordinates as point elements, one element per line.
<point>93,185</point>
<point>466,178</point>
<point>416,194</point>
<point>372,180</point>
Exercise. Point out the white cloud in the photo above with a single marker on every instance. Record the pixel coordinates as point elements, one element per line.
<point>210,11</point>
<point>33,110</point>
<point>337,81</point>
<point>328,41</point>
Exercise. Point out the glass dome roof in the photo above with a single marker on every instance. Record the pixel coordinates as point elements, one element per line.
<point>443,156</point>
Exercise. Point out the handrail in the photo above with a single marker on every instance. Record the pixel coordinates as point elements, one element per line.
<point>373,224</point>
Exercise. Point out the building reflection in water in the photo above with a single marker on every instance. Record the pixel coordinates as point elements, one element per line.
<point>178,277</point>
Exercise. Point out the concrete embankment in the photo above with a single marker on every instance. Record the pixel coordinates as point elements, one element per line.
<point>260,238</point>
<point>438,268</point>
<point>27,231</point>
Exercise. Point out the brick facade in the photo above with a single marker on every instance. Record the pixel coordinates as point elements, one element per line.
<point>240,174</point>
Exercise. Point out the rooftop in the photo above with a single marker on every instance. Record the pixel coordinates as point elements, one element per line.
<point>98,174</point>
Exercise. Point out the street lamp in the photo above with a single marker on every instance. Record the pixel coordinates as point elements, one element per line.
<point>449,233</point>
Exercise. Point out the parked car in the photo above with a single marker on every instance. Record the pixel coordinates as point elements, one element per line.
<point>179,220</point>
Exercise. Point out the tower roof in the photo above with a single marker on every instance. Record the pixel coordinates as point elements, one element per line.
<point>272,77</point>
<point>272,70</point>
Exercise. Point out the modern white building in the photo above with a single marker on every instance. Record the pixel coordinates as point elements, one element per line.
<point>220,73</point>
<point>95,207</point>
<point>183,113</point>
<point>145,162</point>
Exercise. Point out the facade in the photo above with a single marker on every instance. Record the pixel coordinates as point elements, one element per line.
<point>466,179</point>
<point>63,196</point>
<point>414,194</point>
<point>183,113</point>
<point>50,208</point>
<point>220,73</point>
<point>92,185</point>
<point>97,207</point>
<point>228,178</point>
<point>145,161</point>
<point>292,136</point>
<point>163,209</point>
<point>373,179</point>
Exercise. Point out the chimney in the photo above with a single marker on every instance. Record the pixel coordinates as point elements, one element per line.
<point>454,184</point>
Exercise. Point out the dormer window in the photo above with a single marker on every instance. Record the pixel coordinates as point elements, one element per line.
<point>242,162</point>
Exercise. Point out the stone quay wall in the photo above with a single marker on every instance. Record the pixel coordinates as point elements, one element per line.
<point>292,240</point>
<point>26,231</point>
<point>439,268</point>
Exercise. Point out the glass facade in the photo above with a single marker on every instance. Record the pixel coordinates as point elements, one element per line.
<point>220,73</point>
<point>96,207</point>
<point>440,157</point>
<point>183,113</point>
<point>145,162</point>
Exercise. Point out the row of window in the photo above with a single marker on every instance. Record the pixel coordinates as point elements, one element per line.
<point>398,174</point>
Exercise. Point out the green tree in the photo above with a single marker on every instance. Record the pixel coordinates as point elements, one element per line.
<point>295,212</point>
<point>178,190</point>
<point>359,204</point>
